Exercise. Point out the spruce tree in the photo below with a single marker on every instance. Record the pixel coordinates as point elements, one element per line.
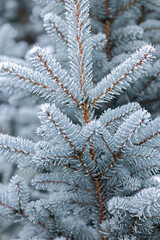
<point>97,173</point>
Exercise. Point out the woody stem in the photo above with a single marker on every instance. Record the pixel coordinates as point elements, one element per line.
<point>107,30</point>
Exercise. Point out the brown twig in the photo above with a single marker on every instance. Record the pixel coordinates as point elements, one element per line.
<point>108,30</point>
<point>121,79</point>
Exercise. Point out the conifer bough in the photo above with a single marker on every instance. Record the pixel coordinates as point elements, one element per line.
<point>99,171</point>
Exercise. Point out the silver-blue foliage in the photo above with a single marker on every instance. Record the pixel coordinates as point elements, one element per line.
<point>97,172</point>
